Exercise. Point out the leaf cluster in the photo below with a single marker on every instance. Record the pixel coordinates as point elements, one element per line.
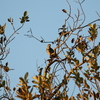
<point>24,18</point>
<point>83,70</point>
<point>5,68</point>
<point>52,81</point>
<point>24,91</point>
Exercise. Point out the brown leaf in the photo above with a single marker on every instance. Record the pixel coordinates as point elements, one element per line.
<point>64,10</point>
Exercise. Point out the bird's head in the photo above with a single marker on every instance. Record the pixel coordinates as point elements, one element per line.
<point>49,46</point>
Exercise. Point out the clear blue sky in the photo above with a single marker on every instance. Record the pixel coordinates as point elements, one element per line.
<point>46,17</point>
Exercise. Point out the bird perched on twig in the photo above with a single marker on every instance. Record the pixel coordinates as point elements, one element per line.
<point>51,52</point>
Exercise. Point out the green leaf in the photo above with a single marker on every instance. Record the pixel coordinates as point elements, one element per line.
<point>25,76</point>
<point>31,90</point>
<point>25,13</point>
<point>27,20</point>
<point>76,61</point>
<point>81,79</point>
<point>95,50</point>
<point>22,20</point>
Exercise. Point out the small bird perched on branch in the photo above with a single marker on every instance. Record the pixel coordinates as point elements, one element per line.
<point>51,52</point>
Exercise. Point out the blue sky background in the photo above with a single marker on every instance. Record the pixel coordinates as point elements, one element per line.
<point>46,17</point>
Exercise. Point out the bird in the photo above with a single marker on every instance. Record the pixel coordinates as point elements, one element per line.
<point>49,50</point>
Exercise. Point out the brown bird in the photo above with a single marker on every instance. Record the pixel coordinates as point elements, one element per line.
<point>49,50</point>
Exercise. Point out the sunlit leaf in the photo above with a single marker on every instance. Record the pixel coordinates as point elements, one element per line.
<point>35,82</point>
<point>90,25</point>
<point>20,84</point>
<point>79,95</point>
<point>96,77</point>
<point>35,78</point>
<point>46,85</point>
<point>78,49</point>
<point>21,80</point>
<point>4,26</point>
<point>90,38</point>
<point>65,98</point>
<point>94,26</point>
<point>36,95</point>
<point>36,86</point>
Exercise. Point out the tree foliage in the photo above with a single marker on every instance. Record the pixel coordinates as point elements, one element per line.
<point>4,68</point>
<point>82,70</point>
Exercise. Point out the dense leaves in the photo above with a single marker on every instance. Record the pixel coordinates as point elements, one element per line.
<point>24,91</point>
<point>72,60</point>
<point>83,71</point>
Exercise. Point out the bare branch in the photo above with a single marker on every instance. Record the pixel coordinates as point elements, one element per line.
<point>98,14</point>
<point>8,41</point>
<point>40,40</point>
